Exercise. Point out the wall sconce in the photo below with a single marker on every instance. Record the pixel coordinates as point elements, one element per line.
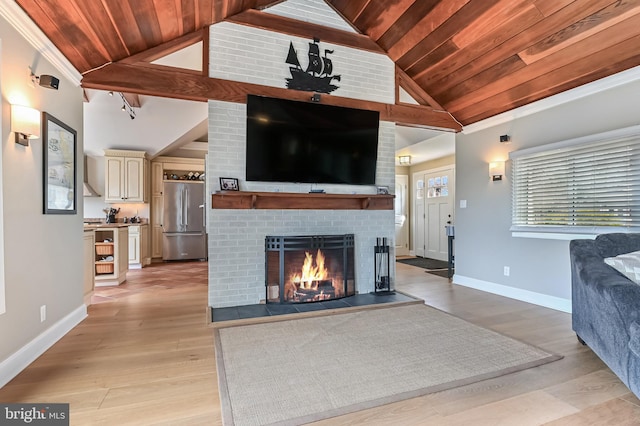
<point>404,160</point>
<point>25,123</point>
<point>496,170</point>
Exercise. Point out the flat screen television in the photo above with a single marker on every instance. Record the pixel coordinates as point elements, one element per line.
<point>303,142</point>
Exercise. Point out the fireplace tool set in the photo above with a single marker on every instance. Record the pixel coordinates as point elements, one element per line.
<point>381,267</point>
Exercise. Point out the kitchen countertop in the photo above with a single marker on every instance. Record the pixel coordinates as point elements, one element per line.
<point>95,224</point>
<point>90,226</point>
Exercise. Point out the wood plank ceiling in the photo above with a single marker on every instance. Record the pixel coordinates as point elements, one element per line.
<point>474,58</point>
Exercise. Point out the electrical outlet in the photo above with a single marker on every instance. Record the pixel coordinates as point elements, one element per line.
<point>43,313</point>
<point>507,271</point>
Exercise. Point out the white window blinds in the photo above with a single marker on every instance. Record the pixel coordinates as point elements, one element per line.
<point>585,185</point>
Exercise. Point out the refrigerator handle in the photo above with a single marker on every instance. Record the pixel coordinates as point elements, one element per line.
<point>185,206</point>
<point>204,219</point>
<point>180,210</point>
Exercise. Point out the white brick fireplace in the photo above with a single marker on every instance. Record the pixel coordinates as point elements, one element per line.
<point>237,237</point>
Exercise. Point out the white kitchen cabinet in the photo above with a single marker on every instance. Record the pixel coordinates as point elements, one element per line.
<point>157,207</point>
<point>138,246</point>
<point>125,176</point>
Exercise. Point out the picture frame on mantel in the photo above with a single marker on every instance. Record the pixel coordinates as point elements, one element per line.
<point>229,184</point>
<point>59,143</point>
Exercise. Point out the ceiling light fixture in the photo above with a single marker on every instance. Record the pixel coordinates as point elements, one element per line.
<point>404,160</point>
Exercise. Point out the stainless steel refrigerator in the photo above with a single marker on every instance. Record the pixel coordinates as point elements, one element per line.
<point>183,223</point>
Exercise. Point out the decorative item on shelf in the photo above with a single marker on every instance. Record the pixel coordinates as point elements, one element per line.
<point>381,267</point>
<point>229,184</point>
<point>383,190</point>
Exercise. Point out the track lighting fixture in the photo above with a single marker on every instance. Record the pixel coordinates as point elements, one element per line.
<point>126,107</point>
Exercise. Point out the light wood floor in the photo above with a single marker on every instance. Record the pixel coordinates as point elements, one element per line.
<point>145,356</point>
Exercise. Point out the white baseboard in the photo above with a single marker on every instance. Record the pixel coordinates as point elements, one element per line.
<point>12,366</point>
<point>552,302</point>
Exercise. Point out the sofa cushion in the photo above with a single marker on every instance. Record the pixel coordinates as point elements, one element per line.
<point>627,264</point>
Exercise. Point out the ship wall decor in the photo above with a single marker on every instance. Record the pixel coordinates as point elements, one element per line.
<point>317,77</point>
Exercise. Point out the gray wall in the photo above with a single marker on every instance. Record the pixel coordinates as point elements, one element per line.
<point>42,253</point>
<point>483,244</point>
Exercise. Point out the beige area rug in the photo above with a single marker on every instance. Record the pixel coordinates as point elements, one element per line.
<point>303,370</point>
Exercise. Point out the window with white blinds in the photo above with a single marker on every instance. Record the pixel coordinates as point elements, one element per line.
<point>585,185</point>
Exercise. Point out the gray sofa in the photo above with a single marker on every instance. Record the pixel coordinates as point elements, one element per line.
<point>606,304</point>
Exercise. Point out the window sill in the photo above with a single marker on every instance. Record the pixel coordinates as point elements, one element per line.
<point>566,233</point>
<point>553,236</point>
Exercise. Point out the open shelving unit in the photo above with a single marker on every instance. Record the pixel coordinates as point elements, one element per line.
<point>111,256</point>
<point>104,247</point>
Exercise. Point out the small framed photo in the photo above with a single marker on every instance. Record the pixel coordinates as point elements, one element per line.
<point>383,190</point>
<point>229,184</point>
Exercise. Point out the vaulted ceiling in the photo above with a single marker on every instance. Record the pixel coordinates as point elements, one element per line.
<point>472,58</point>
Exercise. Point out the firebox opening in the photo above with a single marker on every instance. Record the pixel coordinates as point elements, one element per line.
<point>302,269</point>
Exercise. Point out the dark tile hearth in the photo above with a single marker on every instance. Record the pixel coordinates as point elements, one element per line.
<point>273,309</point>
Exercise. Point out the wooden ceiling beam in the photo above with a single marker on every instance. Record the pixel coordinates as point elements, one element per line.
<point>165,49</point>
<point>280,24</point>
<point>133,99</point>
<point>155,80</point>
<point>415,91</point>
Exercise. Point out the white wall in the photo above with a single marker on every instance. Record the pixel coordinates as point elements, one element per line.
<point>42,253</point>
<point>159,122</point>
<point>252,55</point>
<point>539,268</point>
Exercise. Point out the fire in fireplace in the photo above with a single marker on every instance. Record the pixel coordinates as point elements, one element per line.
<point>302,269</point>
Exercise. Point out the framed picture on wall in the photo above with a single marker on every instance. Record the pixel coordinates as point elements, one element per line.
<point>59,163</point>
<point>229,184</point>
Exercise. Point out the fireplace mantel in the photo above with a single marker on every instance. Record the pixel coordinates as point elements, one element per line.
<point>288,200</point>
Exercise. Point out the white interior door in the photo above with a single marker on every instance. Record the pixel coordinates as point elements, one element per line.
<point>438,212</point>
<point>401,206</point>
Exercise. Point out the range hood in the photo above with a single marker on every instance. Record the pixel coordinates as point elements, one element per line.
<point>87,190</point>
